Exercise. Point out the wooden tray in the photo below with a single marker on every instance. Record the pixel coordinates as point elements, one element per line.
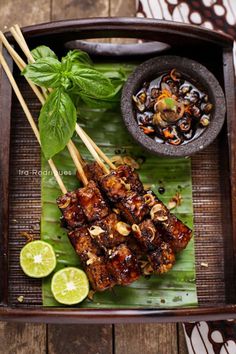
<point>213,170</point>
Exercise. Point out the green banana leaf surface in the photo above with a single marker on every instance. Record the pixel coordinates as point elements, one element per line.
<point>177,288</point>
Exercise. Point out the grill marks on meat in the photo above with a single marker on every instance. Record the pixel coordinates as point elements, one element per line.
<point>93,171</point>
<point>173,230</point>
<point>129,176</point>
<point>147,235</point>
<point>92,260</point>
<point>118,182</point>
<point>92,202</point>
<point>133,208</point>
<point>159,253</point>
<point>110,237</point>
<point>176,233</point>
<point>72,213</point>
<point>162,259</point>
<point>123,265</point>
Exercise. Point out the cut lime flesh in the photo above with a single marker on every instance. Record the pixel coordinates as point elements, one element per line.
<point>70,286</point>
<point>37,259</point>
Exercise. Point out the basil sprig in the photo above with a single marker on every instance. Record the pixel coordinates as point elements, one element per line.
<point>74,75</point>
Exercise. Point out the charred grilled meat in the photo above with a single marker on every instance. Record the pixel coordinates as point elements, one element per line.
<point>72,213</point>
<point>130,177</point>
<point>174,231</point>
<point>106,232</point>
<point>102,245</point>
<point>92,260</point>
<point>123,265</point>
<point>93,171</point>
<point>133,208</point>
<point>162,259</point>
<point>159,253</point>
<point>118,182</point>
<point>92,202</point>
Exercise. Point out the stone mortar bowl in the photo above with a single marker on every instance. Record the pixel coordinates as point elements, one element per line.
<point>195,73</point>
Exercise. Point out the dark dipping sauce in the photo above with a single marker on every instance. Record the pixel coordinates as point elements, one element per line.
<point>172,110</point>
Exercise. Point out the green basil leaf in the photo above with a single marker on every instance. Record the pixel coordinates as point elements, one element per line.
<point>79,57</point>
<point>44,72</point>
<point>92,83</point>
<point>43,51</point>
<point>56,122</point>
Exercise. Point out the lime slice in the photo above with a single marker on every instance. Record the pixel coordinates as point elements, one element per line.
<point>70,286</point>
<point>37,259</point>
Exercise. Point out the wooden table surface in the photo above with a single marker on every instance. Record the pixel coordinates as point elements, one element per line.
<point>81,339</point>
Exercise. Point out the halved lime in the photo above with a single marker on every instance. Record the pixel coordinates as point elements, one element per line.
<point>70,286</point>
<point>37,259</point>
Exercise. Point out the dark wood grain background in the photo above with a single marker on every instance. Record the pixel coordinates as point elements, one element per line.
<point>82,339</point>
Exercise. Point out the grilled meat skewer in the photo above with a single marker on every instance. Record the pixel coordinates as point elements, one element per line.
<point>174,231</point>
<point>119,185</point>
<point>98,234</point>
<point>108,235</point>
<point>72,213</point>
<point>93,262</point>
<point>159,253</point>
<point>123,265</point>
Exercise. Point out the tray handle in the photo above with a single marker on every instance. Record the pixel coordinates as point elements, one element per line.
<point>118,50</point>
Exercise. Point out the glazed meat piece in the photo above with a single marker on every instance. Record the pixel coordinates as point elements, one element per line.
<point>123,265</point>
<point>92,261</point>
<point>99,277</point>
<point>159,253</point>
<point>130,177</point>
<point>133,208</point>
<point>147,235</point>
<point>72,213</point>
<point>174,231</point>
<point>93,171</point>
<point>118,182</point>
<point>162,259</point>
<point>83,243</point>
<point>114,187</point>
<point>106,232</point>
<point>92,202</point>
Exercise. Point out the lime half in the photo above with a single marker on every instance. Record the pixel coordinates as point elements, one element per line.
<point>70,286</point>
<point>37,259</point>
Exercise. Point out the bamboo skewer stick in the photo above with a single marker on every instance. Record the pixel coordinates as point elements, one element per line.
<point>91,146</point>
<point>78,165</point>
<point>100,152</point>
<point>21,65</point>
<point>31,120</point>
<point>22,43</point>
<point>17,34</point>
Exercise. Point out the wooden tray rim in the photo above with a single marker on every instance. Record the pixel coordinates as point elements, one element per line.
<point>131,26</point>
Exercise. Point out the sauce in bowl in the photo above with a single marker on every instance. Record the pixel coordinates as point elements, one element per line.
<point>172,110</point>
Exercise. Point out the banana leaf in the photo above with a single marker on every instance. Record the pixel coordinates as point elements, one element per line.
<point>176,288</point>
